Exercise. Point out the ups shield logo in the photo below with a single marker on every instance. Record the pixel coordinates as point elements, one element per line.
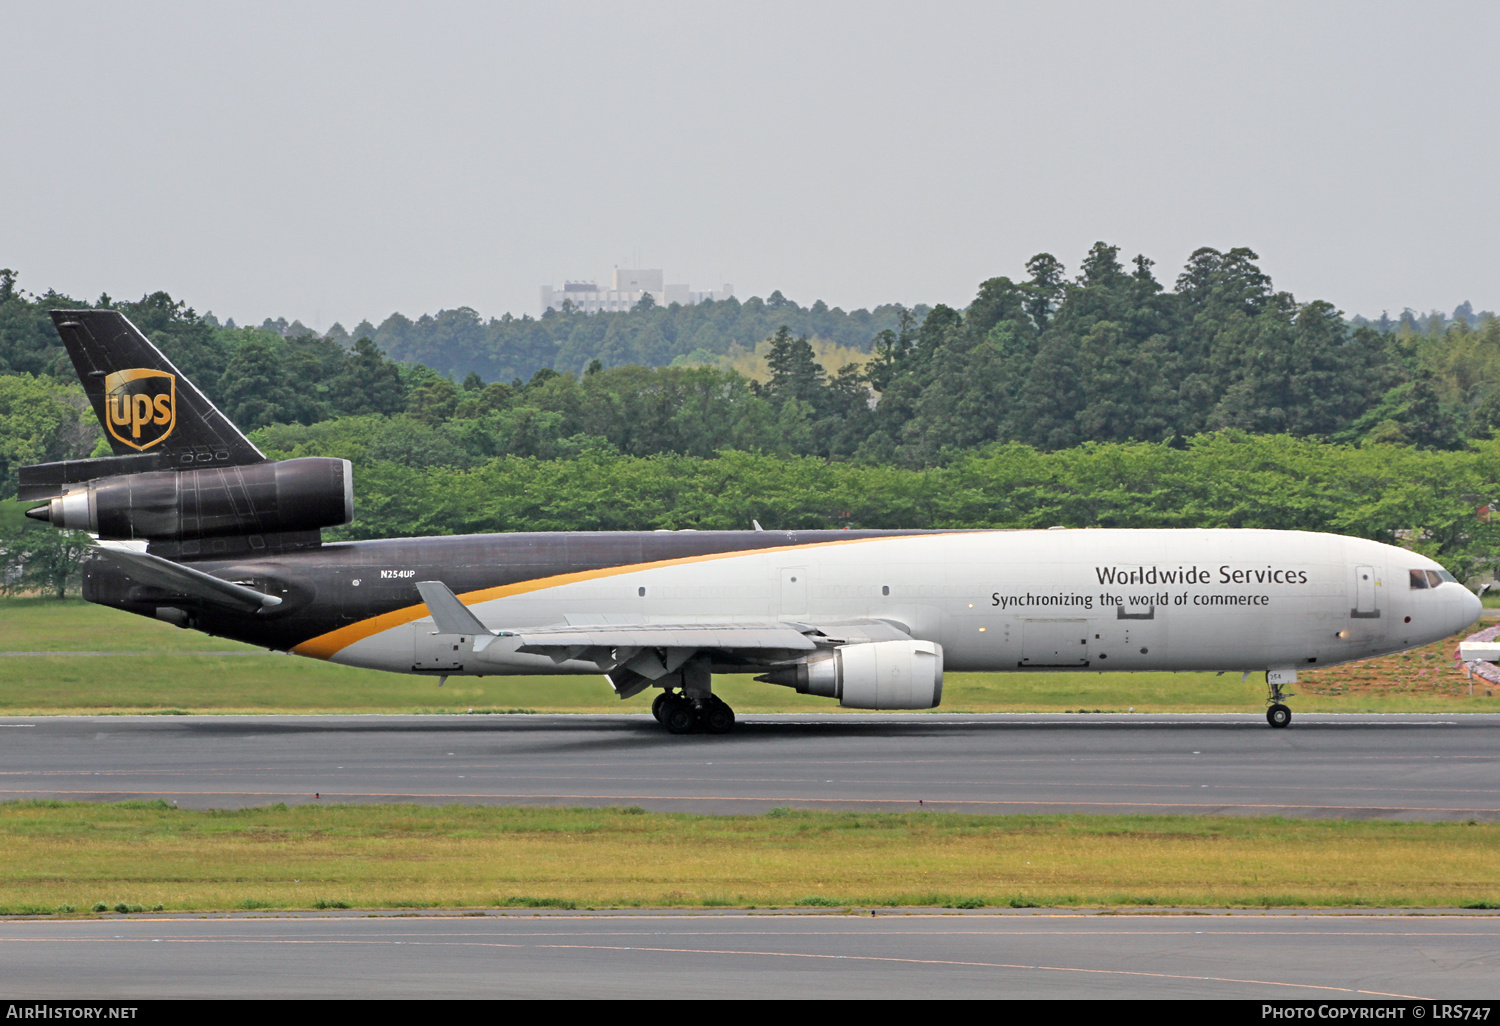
<point>140,406</point>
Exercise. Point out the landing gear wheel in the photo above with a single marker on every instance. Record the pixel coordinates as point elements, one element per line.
<point>679,716</point>
<point>1278,715</point>
<point>718,718</point>
<point>658,705</point>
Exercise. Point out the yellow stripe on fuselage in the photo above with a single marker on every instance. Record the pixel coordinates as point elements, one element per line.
<point>325,646</point>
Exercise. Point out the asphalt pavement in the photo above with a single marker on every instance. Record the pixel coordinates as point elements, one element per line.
<point>1394,766</point>
<point>1265,957</point>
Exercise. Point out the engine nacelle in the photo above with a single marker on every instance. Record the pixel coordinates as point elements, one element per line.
<point>261,498</point>
<point>880,675</point>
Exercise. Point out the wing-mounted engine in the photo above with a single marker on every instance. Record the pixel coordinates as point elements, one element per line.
<point>301,495</point>
<point>880,675</point>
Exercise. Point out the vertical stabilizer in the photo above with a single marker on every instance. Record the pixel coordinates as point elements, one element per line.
<point>143,402</point>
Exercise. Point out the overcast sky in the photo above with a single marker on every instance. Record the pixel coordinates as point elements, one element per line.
<point>329,161</point>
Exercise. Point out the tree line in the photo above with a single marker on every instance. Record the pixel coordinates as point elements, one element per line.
<point>454,343</point>
<point>458,342</point>
<point>1052,360</point>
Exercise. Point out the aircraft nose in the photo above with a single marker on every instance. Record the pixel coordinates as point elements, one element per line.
<point>1472,607</point>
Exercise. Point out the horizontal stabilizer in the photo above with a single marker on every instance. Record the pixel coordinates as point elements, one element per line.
<point>182,580</point>
<point>449,615</point>
<point>48,480</point>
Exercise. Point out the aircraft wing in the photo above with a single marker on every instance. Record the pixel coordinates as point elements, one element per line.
<point>632,655</point>
<point>451,616</point>
<point>730,636</point>
<point>749,636</point>
<point>177,579</point>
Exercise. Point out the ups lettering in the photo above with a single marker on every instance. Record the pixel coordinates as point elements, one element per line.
<point>141,406</point>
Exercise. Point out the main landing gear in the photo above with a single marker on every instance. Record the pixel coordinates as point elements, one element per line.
<point>1277,714</point>
<point>693,706</point>
<point>680,714</point>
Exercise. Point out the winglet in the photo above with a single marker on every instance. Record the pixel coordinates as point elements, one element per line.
<point>449,614</point>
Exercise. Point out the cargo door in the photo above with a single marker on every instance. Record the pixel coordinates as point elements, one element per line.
<point>439,653</point>
<point>1054,643</point>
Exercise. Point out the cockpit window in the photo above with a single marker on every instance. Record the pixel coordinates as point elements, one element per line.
<point>1431,578</point>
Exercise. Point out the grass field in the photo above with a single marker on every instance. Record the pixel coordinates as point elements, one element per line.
<point>151,667</point>
<point>143,855</point>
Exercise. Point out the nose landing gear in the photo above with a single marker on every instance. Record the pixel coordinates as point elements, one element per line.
<point>1278,715</point>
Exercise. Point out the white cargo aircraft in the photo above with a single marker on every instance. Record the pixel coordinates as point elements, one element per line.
<point>198,528</point>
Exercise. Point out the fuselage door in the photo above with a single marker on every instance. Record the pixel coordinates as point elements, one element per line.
<point>1365,603</point>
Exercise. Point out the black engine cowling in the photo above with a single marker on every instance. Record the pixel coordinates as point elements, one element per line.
<point>261,498</point>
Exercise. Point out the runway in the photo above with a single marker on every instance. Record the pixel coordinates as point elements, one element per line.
<point>1393,766</point>
<point>1266,957</point>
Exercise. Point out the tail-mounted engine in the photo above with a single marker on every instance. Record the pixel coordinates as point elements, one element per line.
<point>880,675</point>
<point>258,499</point>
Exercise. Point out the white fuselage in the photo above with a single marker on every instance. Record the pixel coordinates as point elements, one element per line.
<point>1094,599</point>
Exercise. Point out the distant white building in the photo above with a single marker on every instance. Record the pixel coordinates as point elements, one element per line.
<point>626,288</point>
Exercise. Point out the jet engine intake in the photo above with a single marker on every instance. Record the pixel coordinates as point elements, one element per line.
<point>262,498</point>
<point>880,675</point>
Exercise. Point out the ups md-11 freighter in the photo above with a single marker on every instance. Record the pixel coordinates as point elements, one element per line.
<point>196,527</point>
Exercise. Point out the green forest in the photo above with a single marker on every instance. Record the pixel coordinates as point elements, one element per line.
<point>1100,397</point>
